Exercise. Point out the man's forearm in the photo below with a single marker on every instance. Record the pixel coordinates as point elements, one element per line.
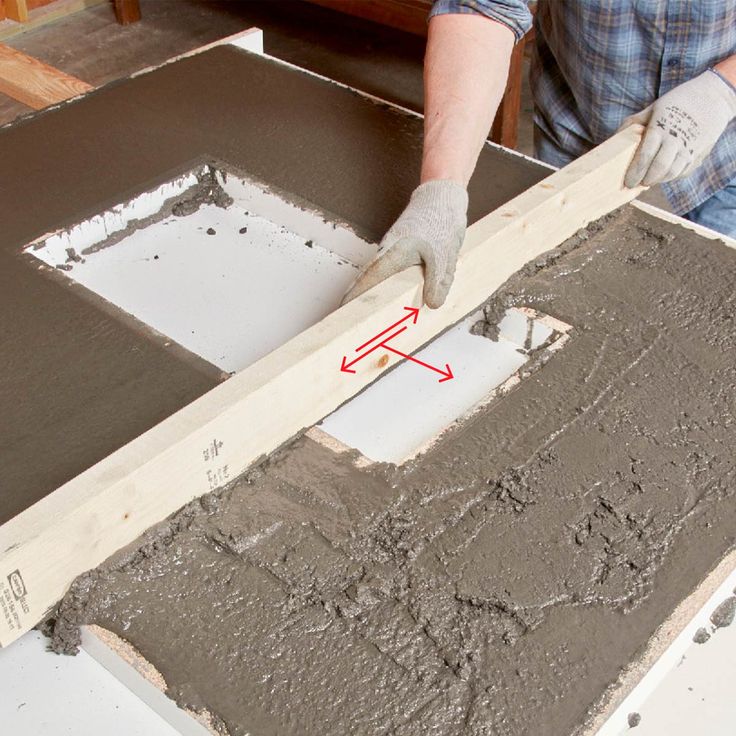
<point>727,69</point>
<point>465,72</point>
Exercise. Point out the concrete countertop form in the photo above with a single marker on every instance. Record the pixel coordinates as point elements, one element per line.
<point>100,359</point>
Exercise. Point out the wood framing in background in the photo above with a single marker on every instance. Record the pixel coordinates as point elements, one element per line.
<point>16,10</point>
<point>127,11</point>
<point>108,506</point>
<point>19,10</point>
<point>34,83</point>
<point>33,4</point>
<point>405,15</point>
<point>505,128</point>
<point>42,15</point>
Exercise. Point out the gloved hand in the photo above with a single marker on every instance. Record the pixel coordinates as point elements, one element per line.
<point>682,128</point>
<point>429,231</point>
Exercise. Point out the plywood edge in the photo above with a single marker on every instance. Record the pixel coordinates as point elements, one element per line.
<point>124,662</point>
<point>79,525</point>
<point>34,83</point>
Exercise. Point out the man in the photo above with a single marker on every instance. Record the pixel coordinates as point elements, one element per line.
<point>598,65</point>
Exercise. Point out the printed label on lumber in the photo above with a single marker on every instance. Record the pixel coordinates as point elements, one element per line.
<point>13,602</point>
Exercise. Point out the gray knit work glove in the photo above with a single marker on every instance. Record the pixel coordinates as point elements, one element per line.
<point>429,231</point>
<point>682,128</point>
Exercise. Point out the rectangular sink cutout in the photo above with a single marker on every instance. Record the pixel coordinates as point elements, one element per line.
<point>218,263</point>
<point>405,412</point>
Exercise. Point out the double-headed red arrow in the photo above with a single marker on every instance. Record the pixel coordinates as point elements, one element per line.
<point>413,314</point>
<point>345,367</point>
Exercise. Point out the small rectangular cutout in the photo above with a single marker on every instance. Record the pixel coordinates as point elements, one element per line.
<point>408,410</point>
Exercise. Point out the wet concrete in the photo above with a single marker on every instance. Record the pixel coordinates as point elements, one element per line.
<point>79,378</point>
<point>724,614</point>
<point>500,583</point>
<point>701,636</point>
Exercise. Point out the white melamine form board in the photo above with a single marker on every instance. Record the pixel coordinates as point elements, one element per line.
<point>45,694</point>
<point>690,688</point>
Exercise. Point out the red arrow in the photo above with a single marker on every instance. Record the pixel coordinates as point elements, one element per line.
<point>413,314</point>
<point>345,367</point>
<point>447,373</point>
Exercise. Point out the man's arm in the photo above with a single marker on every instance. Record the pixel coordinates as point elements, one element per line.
<point>727,69</point>
<point>465,71</point>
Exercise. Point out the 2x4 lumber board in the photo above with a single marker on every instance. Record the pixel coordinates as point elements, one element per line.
<point>34,83</point>
<point>86,520</point>
<point>16,10</point>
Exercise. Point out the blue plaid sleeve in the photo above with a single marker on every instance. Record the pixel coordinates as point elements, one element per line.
<point>514,14</point>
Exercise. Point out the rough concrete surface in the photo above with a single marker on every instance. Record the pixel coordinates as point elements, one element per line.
<point>501,582</point>
<point>724,614</point>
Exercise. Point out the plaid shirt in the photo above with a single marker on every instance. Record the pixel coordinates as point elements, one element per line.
<point>598,61</point>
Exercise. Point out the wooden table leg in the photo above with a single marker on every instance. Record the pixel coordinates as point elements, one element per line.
<point>127,11</point>
<point>16,10</point>
<point>505,130</point>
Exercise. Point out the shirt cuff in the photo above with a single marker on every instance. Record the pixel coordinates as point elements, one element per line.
<point>514,14</point>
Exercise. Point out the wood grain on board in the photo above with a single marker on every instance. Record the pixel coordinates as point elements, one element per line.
<point>16,10</point>
<point>34,83</point>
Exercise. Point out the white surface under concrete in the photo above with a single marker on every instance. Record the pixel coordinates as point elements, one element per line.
<point>44,694</point>
<point>698,695</point>
<point>228,283</point>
